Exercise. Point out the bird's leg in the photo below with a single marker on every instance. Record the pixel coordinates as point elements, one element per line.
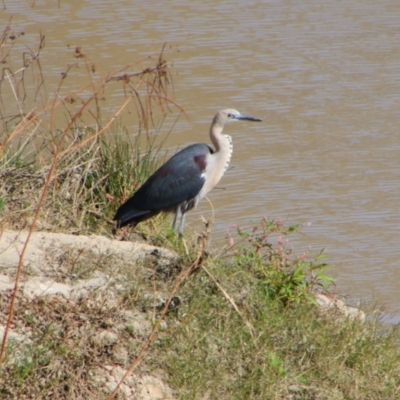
<point>178,213</point>
<point>181,225</point>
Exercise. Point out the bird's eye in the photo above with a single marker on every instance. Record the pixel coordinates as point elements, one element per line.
<point>230,115</point>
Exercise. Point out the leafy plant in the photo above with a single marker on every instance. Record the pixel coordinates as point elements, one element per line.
<point>280,273</point>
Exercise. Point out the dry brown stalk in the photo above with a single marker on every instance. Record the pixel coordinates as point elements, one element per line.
<point>196,265</point>
<point>156,81</point>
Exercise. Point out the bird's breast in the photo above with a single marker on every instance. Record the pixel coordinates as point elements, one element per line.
<point>216,165</point>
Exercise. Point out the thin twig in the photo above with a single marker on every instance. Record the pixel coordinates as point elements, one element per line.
<point>197,263</point>
<point>229,298</point>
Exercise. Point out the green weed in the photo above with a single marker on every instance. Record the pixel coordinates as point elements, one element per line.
<point>276,343</point>
<point>278,272</point>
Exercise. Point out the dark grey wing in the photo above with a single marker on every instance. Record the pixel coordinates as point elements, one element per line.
<point>180,179</point>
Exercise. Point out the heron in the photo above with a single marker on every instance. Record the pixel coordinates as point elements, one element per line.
<point>179,184</point>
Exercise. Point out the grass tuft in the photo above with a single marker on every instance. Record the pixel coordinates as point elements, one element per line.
<point>293,349</point>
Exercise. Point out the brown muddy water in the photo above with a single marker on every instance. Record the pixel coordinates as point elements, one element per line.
<point>323,76</point>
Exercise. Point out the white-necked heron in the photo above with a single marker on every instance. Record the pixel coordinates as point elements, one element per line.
<point>184,179</point>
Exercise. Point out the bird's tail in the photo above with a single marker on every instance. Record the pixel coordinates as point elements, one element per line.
<point>131,216</point>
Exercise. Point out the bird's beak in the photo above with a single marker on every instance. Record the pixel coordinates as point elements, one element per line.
<point>245,118</point>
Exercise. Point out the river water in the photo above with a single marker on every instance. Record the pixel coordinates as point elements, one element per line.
<point>323,76</point>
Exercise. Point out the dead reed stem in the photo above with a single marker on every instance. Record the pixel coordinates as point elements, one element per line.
<point>195,265</point>
<point>156,81</point>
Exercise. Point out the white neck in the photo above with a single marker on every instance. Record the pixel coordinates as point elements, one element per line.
<point>223,148</point>
<point>218,162</point>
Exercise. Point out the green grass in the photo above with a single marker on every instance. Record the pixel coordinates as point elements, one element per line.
<point>293,348</point>
<point>90,181</point>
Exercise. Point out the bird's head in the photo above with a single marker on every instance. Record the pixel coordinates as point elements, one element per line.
<point>229,115</point>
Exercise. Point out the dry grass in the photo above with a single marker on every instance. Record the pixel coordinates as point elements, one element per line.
<point>67,343</point>
<point>62,166</point>
<point>70,177</point>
